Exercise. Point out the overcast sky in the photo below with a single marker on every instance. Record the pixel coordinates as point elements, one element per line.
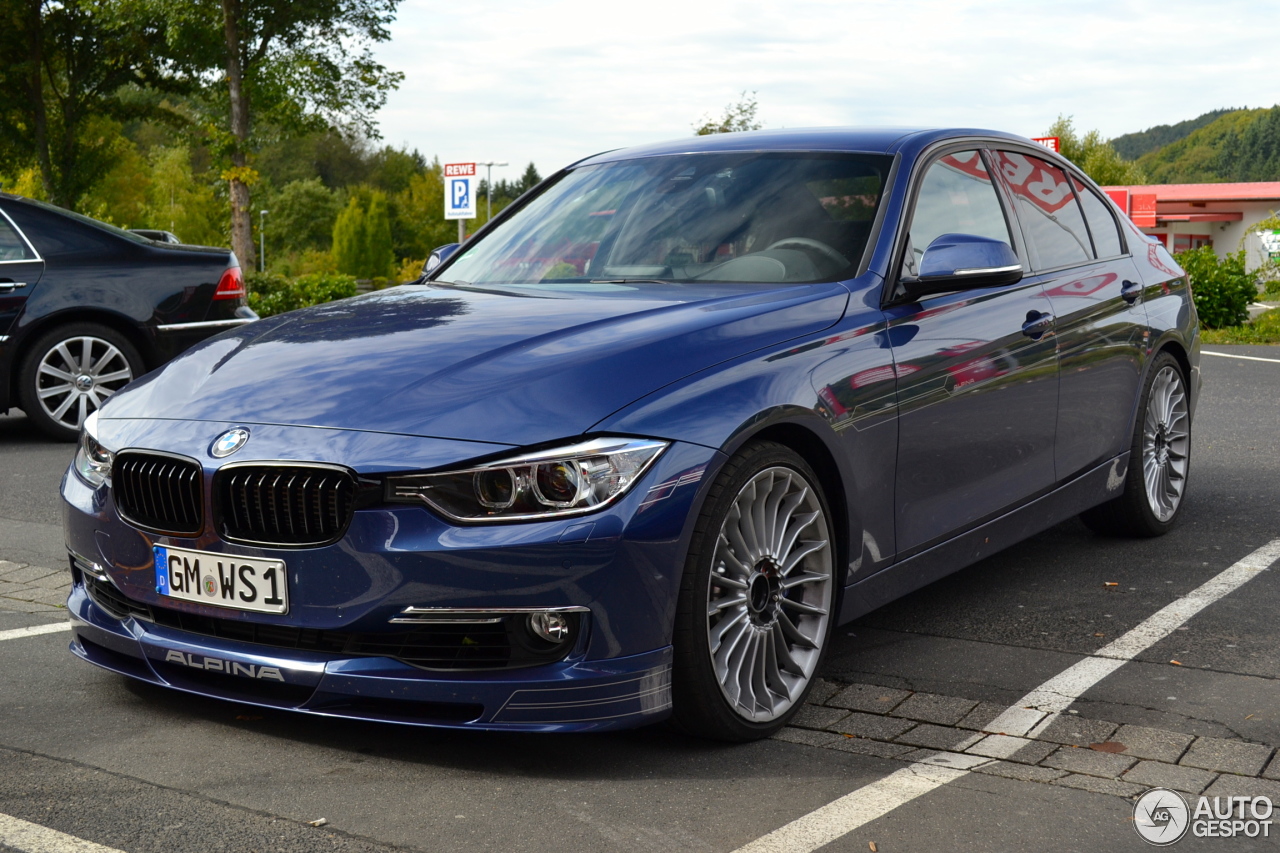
<point>557,80</point>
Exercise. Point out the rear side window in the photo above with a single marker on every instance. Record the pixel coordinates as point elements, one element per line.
<point>1102,225</point>
<point>12,246</point>
<point>956,197</point>
<point>1051,218</point>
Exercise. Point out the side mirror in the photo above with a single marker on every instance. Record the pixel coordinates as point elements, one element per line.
<point>964,262</point>
<point>439,256</point>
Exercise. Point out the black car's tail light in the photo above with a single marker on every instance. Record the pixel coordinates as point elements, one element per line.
<point>284,505</point>
<point>159,492</point>
<point>231,285</point>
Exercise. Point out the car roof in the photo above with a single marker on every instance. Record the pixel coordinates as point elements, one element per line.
<point>884,140</point>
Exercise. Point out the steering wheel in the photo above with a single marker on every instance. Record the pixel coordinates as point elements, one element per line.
<point>816,245</point>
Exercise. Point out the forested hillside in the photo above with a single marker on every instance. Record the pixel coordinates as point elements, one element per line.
<point>1243,145</point>
<point>1131,146</point>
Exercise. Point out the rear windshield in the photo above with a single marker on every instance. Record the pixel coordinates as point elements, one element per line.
<point>736,217</point>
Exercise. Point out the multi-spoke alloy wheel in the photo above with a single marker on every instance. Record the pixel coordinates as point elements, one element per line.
<point>71,372</point>
<point>769,595</point>
<point>1159,459</point>
<point>77,376</point>
<point>758,597</point>
<point>1165,443</point>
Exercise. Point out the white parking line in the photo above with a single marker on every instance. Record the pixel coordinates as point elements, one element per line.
<point>34,630</point>
<point>34,838</point>
<point>1233,355</point>
<point>1030,715</point>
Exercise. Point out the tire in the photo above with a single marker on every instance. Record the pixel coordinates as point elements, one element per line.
<point>1161,450</point>
<point>58,390</point>
<point>730,680</point>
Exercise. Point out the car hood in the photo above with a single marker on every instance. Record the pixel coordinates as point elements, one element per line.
<point>469,364</point>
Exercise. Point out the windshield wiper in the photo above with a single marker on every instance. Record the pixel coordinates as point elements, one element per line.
<point>632,281</point>
<point>466,285</point>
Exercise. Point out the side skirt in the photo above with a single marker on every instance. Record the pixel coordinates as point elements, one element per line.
<point>1088,490</point>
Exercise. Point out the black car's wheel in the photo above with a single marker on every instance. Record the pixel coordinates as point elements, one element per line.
<point>70,372</point>
<point>756,599</point>
<point>1159,459</point>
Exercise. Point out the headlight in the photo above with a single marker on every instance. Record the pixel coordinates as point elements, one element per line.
<point>546,484</point>
<point>93,461</point>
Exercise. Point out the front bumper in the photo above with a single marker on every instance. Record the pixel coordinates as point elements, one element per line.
<point>621,565</point>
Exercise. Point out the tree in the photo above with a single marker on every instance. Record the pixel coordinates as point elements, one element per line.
<point>737,117</point>
<point>362,236</point>
<point>289,66</point>
<point>72,70</point>
<point>302,215</point>
<point>1094,155</point>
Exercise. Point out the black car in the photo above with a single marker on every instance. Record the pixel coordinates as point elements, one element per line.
<point>86,307</point>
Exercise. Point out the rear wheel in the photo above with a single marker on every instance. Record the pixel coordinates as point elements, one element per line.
<point>757,598</point>
<point>70,372</point>
<point>1159,459</point>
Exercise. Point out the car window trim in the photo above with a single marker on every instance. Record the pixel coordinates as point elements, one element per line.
<point>1124,247</point>
<point>928,157</point>
<point>1039,155</point>
<point>1069,168</point>
<point>30,246</point>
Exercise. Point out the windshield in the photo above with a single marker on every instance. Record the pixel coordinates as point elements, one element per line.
<point>735,217</point>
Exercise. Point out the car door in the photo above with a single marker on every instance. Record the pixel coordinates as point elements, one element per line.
<point>977,374</point>
<point>20,269</point>
<point>1079,257</point>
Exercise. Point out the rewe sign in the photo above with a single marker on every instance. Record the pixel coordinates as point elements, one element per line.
<point>460,185</point>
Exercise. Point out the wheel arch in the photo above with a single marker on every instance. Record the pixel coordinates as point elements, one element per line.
<point>803,434</point>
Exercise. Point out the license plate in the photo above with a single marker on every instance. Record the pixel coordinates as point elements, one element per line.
<point>223,580</point>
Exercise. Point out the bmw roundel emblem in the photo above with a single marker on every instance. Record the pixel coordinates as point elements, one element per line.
<point>229,442</point>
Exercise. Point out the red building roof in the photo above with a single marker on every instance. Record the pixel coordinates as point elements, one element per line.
<point>1254,191</point>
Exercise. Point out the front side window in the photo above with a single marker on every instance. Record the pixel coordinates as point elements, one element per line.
<point>1051,218</point>
<point>956,197</point>
<point>738,217</point>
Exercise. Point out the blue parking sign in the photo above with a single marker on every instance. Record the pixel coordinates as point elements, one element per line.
<point>460,191</point>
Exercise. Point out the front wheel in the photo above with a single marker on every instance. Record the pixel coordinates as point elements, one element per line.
<point>757,598</point>
<point>1159,459</point>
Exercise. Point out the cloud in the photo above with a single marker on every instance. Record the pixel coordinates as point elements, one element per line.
<point>553,82</point>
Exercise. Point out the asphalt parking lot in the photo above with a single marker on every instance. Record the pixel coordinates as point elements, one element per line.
<point>1156,664</point>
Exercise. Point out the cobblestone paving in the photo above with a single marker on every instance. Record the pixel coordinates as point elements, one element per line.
<point>33,589</point>
<point>1073,751</point>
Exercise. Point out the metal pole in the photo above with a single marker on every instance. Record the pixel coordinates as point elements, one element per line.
<point>262,240</point>
<point>488,185</point>
<point>462,231</point>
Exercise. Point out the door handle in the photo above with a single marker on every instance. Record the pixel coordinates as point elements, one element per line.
<point>1038,322</point>
<point>11,286</point>
<point>1130,290</point>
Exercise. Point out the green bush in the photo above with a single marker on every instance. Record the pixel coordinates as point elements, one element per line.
<point>1222,288</point>
<point>272,293</point>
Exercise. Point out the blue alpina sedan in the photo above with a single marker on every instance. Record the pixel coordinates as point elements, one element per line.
<point>635,449</point>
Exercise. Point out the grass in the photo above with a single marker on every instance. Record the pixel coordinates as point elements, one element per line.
<point>1263,329</point>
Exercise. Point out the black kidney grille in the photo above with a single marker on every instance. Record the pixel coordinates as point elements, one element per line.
<point>159,492</point>
<point>284,504</point>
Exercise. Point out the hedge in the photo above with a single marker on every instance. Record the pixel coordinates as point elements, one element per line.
<point>1222,289</point>
<point>272,293</point>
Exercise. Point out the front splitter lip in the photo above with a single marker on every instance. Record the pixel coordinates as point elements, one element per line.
<point>577,696</point>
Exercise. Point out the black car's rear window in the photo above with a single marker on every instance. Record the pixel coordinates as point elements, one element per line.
<point>776,217</point>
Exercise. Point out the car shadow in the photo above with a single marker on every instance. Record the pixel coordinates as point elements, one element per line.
<point>651,752</point>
